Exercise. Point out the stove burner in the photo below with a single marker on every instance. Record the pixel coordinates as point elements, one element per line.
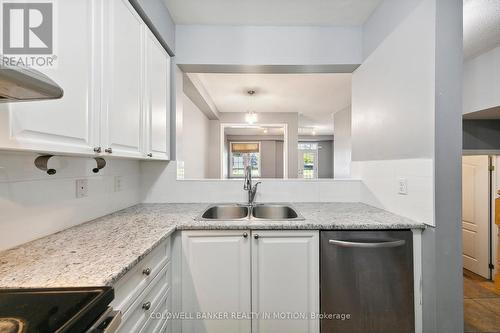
<point>12,325</point>
<point>61,310</point>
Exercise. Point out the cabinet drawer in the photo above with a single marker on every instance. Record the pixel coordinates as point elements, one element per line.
<point>158,321</point>
<point>132,284</point>
<point>136,316</point>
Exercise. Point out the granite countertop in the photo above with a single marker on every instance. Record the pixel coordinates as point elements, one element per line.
<point>99,252</point>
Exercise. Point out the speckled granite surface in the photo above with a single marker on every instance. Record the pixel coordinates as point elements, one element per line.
<point>101,251</point>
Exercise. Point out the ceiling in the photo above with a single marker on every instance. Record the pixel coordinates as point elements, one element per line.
<point>315,97</point>
<point>272,12</point>
<point>255,130</point>
<point>481,17</point>
<point>481,26</point>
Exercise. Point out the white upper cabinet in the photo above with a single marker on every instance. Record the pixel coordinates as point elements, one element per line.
<point>158,102</point>
<point>66,125</point>
<point>115,76</point>
<point>215,279</point>
<point>122,113</point>
<point>285,279</point>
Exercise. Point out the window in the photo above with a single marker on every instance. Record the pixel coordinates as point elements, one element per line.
<point>242,155</point>
<point>308,160</point>
<point>308,172</point>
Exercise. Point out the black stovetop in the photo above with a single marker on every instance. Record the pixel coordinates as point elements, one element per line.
<point>52,310</point>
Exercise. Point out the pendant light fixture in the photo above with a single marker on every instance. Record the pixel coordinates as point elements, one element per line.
<point>251,116</point>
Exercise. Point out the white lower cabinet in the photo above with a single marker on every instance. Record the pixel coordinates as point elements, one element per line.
<point>285,281</point>
<point>143,295</point>
<point>215,280</point>
<point>279,269</point>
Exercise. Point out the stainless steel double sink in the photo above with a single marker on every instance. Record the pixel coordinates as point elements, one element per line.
<point>258,212</point>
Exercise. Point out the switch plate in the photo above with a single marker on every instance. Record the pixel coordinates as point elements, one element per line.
<point>82,188</point>
<point>118,183</point>
<point>403,186</point>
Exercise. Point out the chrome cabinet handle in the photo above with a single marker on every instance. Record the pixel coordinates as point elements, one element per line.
<point>97,150</point>
<point>256,236</point>
<point>146,306</point>
<point>382,244</point>
<point>146,271</point>
<point>109,150</point>
<point>150,155</point>
<point>245,235</point>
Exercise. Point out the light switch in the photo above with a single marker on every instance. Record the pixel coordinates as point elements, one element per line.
<point>118,183</point>
<point>82,188</point>
<point>403,186</point>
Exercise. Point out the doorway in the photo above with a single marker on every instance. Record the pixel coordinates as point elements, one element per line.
<point>476,214</point>
<point>308,160</point>
<point>480,238</point>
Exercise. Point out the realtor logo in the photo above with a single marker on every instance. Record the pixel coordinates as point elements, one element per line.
<point>27,28</point>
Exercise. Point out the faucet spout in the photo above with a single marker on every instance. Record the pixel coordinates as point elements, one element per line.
<point>248,178</point>
<point>247,186</point>
<point>252,193</point>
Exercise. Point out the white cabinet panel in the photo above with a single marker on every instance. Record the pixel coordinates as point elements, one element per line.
<point>122,117</point>
<point>115,76</point>
<point>285,279</point>
<point>215,279</point>
<point>67,124</point>
<point>158,104</point>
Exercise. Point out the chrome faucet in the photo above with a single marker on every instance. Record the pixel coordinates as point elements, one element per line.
<point>247,186</point>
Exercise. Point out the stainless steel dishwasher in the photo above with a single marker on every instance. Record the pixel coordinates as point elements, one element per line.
<point>367,282</point>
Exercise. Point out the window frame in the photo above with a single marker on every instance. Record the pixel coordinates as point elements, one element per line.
<point>230,162</point>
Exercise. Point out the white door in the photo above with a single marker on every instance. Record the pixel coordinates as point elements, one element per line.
<point>158,104</point>
<point>66,125</point>
<point>285,279</point>
<point>215,279</point>
<point>475,213</point>
<point>308,163</point>
<point>122,116</point>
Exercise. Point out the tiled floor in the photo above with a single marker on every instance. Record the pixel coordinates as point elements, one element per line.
<point>481,305</point>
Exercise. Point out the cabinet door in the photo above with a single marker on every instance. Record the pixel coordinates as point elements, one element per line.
<point>285,279</point>
<point>69,124</point>
<point>158,103</point>
<point>215,279</point>
<point>123,76</point>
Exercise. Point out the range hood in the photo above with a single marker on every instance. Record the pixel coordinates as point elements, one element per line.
<point>19,84</point>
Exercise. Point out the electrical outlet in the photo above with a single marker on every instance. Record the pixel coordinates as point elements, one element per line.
<point>118,183</point>
<point>82,188</point>
<point>403,186</point>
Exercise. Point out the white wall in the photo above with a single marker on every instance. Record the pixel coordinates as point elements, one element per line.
<point>393,100</point>
<point>160,185</point>
<point>481,89</point>
<point>342,148</point>
<point>254,45</point>
<point>196,135</point>
<point>381,186</point>
<point>388,15</point>
<point>34,204</point>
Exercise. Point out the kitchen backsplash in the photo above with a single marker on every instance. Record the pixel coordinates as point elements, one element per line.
<point>34,204</point>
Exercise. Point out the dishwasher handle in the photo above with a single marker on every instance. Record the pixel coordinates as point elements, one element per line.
<point>370,245</point>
